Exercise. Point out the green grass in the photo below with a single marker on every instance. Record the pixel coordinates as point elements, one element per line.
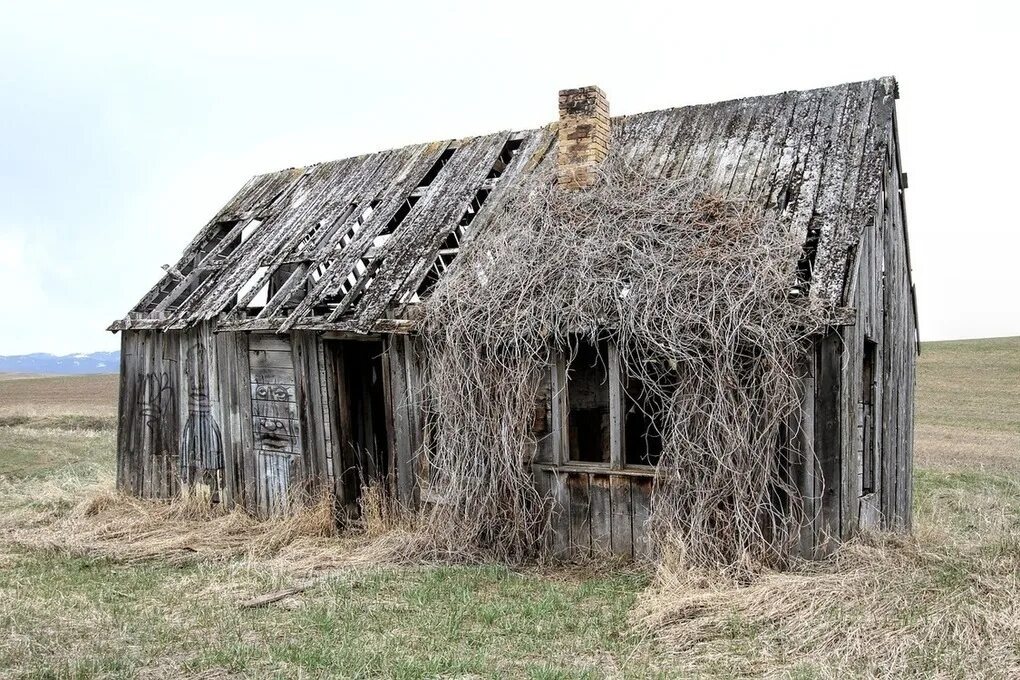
<point>87,617</point>
<point>82,616</point>
<point>29,451</point>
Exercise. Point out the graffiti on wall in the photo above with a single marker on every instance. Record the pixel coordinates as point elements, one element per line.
<point>156,401</point>
<point>201,441</point>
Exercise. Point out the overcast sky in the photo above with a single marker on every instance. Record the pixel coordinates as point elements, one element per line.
<point>123,129</point>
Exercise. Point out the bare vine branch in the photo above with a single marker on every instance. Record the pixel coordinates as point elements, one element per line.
<point>695,290</point>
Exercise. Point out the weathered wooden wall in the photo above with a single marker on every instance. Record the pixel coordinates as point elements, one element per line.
<point>595,510</point>
<point>879,289</point>
<point>270,409</point>
<point>261,402</point>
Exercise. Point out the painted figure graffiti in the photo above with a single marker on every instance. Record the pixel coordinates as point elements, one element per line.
<point>201,441</point>
<point>156,400</point>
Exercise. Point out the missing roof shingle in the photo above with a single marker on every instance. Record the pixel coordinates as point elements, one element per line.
<point>451,245</point>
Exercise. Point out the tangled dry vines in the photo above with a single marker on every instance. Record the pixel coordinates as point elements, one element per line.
<point>694,290</point>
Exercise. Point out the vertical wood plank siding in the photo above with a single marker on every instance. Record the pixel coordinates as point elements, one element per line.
<point>252,401</point>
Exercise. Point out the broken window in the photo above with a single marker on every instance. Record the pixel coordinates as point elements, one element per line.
<point>588,403</point>
<point>599,413</point>
<point>642,440</point>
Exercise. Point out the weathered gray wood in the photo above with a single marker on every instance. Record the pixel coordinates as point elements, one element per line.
<point>870,515</point>
<point>580,517</point>
<point>640,498</point>
<point>816,152</point>
<point>543,488</point>
<point>828,440</point>
<point>559,513</point>
<point>231,391</point>
<point>616,408</point>
<point>807,474</point>
<point>312,413</point>
<point>404,480</point>
<point>400,399</point>
<point>559,410</point>
<point>601,513</point>
<point>542,426</point>
<point>268,359</point>
<point>249,480</point>
<point>826,160</point>
<point>416,380</point>
<point>345,458</point>
<point>272,376</point>
<point>274,409</point>
<point>622,516</point>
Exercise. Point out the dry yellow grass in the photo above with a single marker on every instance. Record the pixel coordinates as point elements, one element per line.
<point>968,405</point>
<point>85,573</point>
<point>944,602</point>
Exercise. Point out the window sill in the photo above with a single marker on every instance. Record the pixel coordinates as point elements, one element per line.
<point>598,468</point>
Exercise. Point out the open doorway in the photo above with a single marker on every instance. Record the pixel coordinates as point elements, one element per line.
<point>361,414</point>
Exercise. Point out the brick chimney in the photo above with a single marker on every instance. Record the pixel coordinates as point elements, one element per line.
<point>583,136</point>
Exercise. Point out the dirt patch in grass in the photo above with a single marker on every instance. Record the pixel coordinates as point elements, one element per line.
<point>78,395</point>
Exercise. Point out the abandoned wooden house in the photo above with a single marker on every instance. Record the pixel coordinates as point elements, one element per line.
<point>280,352</point>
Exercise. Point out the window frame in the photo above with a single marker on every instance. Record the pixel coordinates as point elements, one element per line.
<point>560,414</point>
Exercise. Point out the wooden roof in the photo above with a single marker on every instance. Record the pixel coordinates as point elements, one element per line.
<point>349,244</point>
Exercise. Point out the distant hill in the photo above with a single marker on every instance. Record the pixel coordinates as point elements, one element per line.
<point>69,364</point>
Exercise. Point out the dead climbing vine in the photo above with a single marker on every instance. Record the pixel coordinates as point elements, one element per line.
<point>696,292</point>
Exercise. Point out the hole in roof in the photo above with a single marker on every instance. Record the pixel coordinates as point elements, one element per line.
<point>450,247</point>
<point>436,167</point>
<point>249,229</point>
<point>402,212</point>
<point>506,155</point>
<point>262,297</point>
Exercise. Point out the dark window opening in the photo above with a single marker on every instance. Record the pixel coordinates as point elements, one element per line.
<point>588,403</point>
<point>642,439</point>
<point>868,399</point>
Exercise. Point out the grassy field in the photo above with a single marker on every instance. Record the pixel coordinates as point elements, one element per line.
<point>82,595</point>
